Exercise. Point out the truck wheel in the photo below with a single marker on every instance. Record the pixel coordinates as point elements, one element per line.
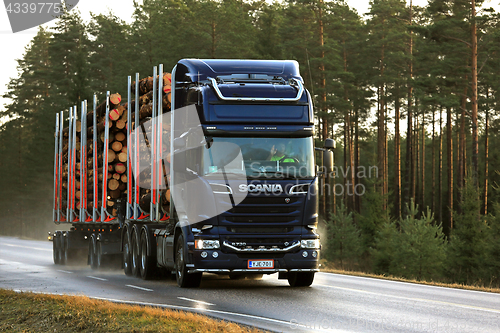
<point>127,257</point>
<point>60,245</point>
<point>147,263</point>
<point>55,250</point>
<point>64,254</point>
<point>68,254</point>
<point>184,280</point>
<point>93,252</point>
<point>134,241</point>
<point>99,256</point>
<point>300,279</point>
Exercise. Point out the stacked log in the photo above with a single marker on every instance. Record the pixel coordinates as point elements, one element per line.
<point>116,151</point>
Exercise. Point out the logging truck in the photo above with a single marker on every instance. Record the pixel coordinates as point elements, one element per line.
<point>209,169</point>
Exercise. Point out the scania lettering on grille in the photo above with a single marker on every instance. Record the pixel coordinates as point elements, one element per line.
<point>255,188</point>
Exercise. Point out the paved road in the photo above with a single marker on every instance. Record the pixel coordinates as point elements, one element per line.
<point>334,303</point>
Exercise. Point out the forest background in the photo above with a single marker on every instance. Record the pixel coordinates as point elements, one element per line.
<point>413,91</point>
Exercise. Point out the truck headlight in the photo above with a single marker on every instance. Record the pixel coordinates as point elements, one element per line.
<point>206,244</point>
<point>310,243</point>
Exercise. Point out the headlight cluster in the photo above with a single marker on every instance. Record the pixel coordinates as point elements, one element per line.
<point>206,244</point>
<point>309,244</point>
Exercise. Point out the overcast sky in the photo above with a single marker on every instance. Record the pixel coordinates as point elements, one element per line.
<point>14,44</point>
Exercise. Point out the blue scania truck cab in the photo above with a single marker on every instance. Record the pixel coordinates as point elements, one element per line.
<point>255,210</point>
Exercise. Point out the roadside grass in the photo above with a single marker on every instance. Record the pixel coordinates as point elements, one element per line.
<point>30,312</point>
<point>394,278</point>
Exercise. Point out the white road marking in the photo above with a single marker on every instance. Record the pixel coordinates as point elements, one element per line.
<point>187,308</point>
<point>67,272</point>
<point>140,288</point>
<point>29,247</point>
<point>193,300</point>
<point>97,278</point>
<point>412,298</point>
<point>406,283</point>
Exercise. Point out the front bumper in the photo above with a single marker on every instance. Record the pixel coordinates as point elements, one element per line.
<point>238,262</point>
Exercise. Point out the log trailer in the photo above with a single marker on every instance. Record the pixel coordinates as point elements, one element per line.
<point>219,175</point>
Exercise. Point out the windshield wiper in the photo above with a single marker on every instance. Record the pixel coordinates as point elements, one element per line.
<point>278,174</point>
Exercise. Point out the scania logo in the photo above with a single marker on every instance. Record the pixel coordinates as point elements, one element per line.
<point>287,200</point>
<point>256,188</point>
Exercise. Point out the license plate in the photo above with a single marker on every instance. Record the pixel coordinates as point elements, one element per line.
<point>256,264</point>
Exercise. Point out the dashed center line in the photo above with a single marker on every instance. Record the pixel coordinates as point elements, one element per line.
<point>97,278</point>
<point>140,288</point>
<point>67,272</point>
<point>194,300</point>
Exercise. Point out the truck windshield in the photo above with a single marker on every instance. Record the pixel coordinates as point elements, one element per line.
<point>260,157</point>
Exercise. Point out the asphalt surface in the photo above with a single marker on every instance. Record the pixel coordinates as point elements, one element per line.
<point>334,303</point>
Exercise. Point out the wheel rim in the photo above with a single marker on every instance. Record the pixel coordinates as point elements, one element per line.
<point>135,254</point>
<point>126,255</point>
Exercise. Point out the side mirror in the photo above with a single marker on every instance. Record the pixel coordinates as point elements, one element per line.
<point>328,160</point>
<point>329,144</point>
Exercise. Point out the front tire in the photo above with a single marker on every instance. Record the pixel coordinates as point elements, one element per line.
<point>300,279</point>
<point>184,280</point>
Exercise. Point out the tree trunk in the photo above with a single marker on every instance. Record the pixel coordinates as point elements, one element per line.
<point>422,187</point>
<point>440,169</point>
<point>397,158</point>
<point>475,140</point>
<point>486,161</point>
<point>449,138</point>
<point>356,158</point>
<point>461,163</point>
<point>433,164</point>
<point>416,134</point>
<point>409,131</point>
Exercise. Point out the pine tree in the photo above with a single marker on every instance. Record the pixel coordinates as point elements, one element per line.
<point>343,241</point>
<point>110,54</point>
<point>469,241</point>
<point>421,247</point>
<point>28,138</point>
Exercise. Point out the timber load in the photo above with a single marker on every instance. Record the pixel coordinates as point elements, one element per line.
<point>94,150</point>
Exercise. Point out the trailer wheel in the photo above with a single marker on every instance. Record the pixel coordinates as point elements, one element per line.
<point>184,280</point>
<point>55,249</point>
<point>68,253</point>
<point>147,263</point>
<point>93,252</point>
<point>59,241</point>
<point>135,253</point>
<point>99,256</point>
<point>300,279</point>
<point>127,257</point>
<point>63,251</point>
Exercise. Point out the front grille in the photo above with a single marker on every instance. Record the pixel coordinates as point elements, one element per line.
<point>268,200</point>
<point>269,209</point>
<point>257,230</point>
<point>265,209</point>
<point>280,242</point>
<point>260,219</point>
